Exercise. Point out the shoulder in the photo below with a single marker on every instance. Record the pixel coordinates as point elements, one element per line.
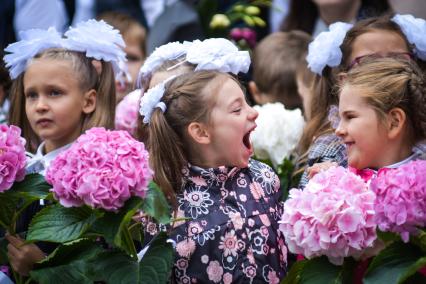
<point>327,147</point>
<point>263,175</point>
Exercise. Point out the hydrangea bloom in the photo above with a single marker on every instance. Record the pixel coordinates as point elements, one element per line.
<point>268,142</point>
<point>102,169</point>
<point>332,216</point>
<point>401,198</point>
<point>126,112</point>
<point>12,156</point>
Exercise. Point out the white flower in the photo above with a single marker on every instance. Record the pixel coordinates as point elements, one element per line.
<point>33,42</point>
<point>218,54</point>
<point>170,51</point>
<point>325,48</point>
<point>152,99</point>
<point>277,133</point>
<point>98,40</point>
<point>415,31</point>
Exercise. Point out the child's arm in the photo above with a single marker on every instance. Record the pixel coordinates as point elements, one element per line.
<point>22,256</point>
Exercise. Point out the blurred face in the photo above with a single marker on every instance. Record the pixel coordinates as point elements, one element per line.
<point>232,121</point>
<point>54,102</point>
<point>380,42</point>
<point>362,132</point>
<point>135,58</point>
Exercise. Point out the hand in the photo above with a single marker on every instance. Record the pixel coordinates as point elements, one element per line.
<point>22,256</point>
<point>318,167</point>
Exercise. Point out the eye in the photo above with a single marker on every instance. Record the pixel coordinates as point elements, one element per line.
<point>55,93</point>
<point>31,95</point>
<point>238,110</point>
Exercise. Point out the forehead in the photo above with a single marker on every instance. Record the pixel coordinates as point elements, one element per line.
<point>377,42</point>
<point>227,91</point>
<point>52,70</point>
<point>351,97</point>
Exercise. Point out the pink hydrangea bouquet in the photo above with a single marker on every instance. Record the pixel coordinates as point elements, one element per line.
<point>12,156</point>
<point>332,216</point>
<point>401,198</point>
<point>126,112</point>
<point>102,169</point>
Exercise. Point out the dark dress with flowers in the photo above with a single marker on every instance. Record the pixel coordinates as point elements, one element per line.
<point>232,233</point>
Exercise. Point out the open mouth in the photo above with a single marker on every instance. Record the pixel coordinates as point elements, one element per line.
<point>246,140</point>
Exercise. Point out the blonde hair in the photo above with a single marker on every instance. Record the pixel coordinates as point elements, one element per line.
<point>189,98</point>
<point>88,79</point>
<point>393,83</point>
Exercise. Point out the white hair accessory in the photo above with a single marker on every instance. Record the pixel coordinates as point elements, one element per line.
<point>325,48</point>
<point>170,51</point>
<point>98,40</point>
<point>218,54</point>
<point>152,99</point>
<point>415,30</point>
<point>33,42</point>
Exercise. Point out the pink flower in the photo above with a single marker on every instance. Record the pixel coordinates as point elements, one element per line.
<point>227,278</point>
<point>272,277</point>
<point>214,271</point>
<point>126,112</point>
<point>12,156</point>
<point>185,247</point>
<point>228,244</point>
<point>401,198</point>
<point>332,216</point>
<point>102,169</point>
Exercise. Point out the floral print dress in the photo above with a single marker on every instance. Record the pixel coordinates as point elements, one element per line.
<point>232,233</point>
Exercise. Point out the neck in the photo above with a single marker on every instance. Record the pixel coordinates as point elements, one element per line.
<point>396,156</point>
<point>344,12</point>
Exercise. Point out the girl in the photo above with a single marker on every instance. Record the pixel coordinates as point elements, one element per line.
<point>382,36</point>
<point>382,113</point>
<point>56,96</point>
<point>199,141</point>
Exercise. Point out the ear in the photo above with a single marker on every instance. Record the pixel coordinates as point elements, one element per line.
<point>396,122</point>
<point>199,133</point>
<point>89,104</point>
<point>257,95</point>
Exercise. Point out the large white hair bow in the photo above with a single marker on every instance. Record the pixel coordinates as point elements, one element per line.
<point>98,40</point>
<point>218,54</point>
<point>415,31</point>
<point>324,50</point>
<point>33,42</point>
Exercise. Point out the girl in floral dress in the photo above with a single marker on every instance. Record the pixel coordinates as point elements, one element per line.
<point>199,141</point>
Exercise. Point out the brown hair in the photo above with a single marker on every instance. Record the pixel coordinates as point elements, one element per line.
<point>323,93</point>
<point>181,68</point>
<point>275,61</point>
<point>103,83</point>
<point>130,28</point>
<point>393,83</point>
<point>188,97</point>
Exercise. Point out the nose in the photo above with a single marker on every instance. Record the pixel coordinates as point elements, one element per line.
<point>340,130</point>
<point>253,114</point>
<point>41,104</point>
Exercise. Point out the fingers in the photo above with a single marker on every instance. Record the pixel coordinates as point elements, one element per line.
<point>15,241</point>
<point>318,167</point>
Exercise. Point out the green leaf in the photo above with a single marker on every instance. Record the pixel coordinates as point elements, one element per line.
<point>114,226</point>
<point>33,187</point>
<point>293,276</point>
<point>59,224</point>
<point>387,237</point>
<point>395,263</point>
<point>8,203</point>
<point>154,268</point>
<point>157,263</point>
<point>320,271</point>
<point>155,204</point>
<point>69,263</point>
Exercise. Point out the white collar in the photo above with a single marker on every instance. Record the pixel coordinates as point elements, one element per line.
<point>40,162</point>
<point>400,163</point>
